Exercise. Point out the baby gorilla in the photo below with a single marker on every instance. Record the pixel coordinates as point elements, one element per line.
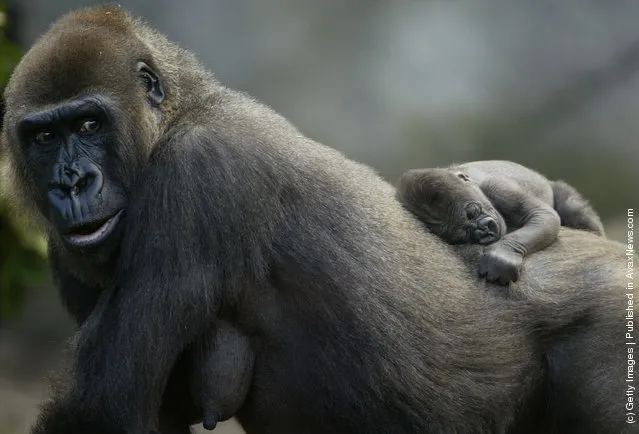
<point>478,202</point>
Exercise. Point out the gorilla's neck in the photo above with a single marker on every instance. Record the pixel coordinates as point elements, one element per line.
<point>95,268</point>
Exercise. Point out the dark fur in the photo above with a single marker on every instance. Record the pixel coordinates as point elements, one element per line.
<point>477,202</point>
<point>222,372</point>
<point>360,321</point>
<point>574,211</point>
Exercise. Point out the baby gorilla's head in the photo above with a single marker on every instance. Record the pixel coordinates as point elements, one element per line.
<point>451,205</point>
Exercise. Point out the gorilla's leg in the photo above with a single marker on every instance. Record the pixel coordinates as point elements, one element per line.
<point>575,211</point>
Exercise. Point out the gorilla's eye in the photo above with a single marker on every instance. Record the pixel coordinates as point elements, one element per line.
<point>89,126</point>
<point>473,211</point>
<point>44,137</point>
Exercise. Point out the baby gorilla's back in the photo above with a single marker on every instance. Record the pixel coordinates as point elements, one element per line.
<point>507,172</point>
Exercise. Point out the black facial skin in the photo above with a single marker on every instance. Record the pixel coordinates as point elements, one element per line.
<point>465,203</point>
<point>71,143</point>
<point>279,271</point>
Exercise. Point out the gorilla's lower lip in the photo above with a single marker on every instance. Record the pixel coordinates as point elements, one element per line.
<point>83,239</point>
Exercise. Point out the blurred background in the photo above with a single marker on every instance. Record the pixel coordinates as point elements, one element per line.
<point>395,84</point>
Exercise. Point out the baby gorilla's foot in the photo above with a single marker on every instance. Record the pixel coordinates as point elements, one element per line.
<point>500,264</point>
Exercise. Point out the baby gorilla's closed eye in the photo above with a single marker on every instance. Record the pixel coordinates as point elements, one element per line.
<point>473,210</point>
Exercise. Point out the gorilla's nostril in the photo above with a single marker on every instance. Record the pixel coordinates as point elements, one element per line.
<point>82,183</point>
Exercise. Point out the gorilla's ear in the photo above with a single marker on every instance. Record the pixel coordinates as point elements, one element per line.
<point>154,89</point>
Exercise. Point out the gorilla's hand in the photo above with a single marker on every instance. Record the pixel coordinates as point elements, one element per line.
<point>500,264</point>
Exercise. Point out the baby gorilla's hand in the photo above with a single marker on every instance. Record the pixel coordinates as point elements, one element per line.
<point>500,264</point>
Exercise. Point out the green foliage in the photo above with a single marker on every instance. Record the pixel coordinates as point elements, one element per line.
<point>22,251</point>
<point>9,53</point>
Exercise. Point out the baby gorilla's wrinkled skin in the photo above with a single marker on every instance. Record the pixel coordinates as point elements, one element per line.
<point>476,203</point>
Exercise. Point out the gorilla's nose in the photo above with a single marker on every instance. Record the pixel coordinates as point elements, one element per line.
<point>74,188</point>
<point>486,232</point>
<point>77,178</point>
<point>487,224</point>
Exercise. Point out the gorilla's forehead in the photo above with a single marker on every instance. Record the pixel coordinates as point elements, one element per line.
<point>75,58</point>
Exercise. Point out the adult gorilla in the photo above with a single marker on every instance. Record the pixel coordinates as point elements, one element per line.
<point>172,202</point>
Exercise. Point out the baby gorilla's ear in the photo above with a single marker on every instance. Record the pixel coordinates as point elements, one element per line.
<point>463,176</point>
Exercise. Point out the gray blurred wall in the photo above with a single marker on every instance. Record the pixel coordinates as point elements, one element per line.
<point>363,75</point>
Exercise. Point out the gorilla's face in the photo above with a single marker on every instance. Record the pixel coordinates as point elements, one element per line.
<point>472,216</point>
<point>71,154</point>
<point>77,157</point>
<point>478,220</point>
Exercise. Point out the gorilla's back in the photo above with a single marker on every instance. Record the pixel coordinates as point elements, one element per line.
<point>369,304</point>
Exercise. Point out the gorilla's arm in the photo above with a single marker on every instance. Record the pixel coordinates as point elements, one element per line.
<point>172,291</point>
<point>178,403</point>
<point>538,225</point>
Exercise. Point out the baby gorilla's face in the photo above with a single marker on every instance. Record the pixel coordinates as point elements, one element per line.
<point>470,216</point>
<point>482,224</point>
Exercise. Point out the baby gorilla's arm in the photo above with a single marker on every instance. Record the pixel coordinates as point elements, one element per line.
<point>538,227</point>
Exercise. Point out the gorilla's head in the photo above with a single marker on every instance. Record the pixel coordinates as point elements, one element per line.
<point>452,206</point>
<point>84,107</point>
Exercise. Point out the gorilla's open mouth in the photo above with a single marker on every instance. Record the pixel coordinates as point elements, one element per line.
<point>92,233</point>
